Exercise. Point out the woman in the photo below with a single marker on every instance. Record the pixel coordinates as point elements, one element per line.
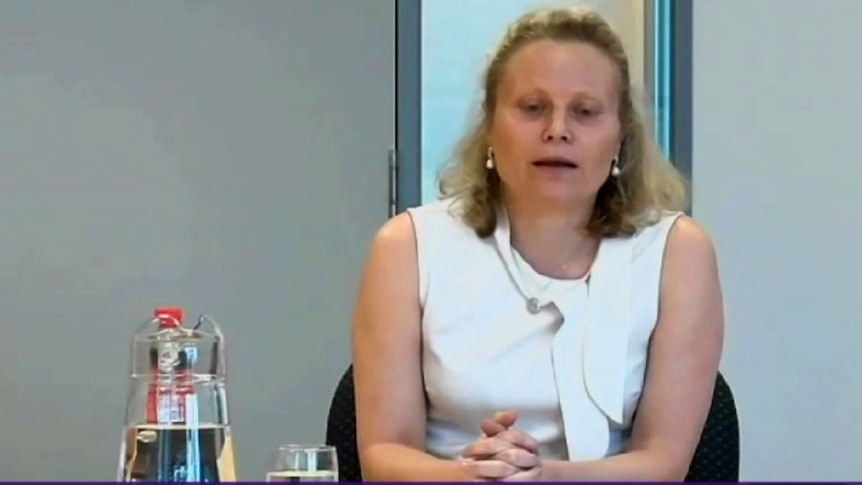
<point>510,331</point>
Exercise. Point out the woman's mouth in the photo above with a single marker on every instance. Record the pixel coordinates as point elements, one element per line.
<point>556,162</point>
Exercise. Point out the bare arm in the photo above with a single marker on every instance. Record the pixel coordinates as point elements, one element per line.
<point>390,399</point>
<point>684,354</point>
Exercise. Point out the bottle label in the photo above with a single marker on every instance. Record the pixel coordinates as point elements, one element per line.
<point>167,404</point>
<point>172,408</point>
<point>167,407</point>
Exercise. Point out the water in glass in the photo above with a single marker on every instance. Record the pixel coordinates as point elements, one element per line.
<point>304,463</point>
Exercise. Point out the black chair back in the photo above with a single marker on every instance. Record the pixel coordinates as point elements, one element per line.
<point>341,429</point>
<point>716,458</point>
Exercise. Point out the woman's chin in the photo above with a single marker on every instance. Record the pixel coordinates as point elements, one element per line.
<point>560,195</point>
<point>551,194</point>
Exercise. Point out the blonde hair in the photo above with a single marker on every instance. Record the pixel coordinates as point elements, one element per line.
<point>647,185</point>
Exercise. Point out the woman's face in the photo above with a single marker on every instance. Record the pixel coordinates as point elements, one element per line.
<point>556,129</point>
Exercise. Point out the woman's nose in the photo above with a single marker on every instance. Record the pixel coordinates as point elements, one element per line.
<point>557,132</point>
<point>557,129</point>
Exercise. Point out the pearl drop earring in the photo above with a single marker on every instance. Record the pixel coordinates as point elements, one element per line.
<point>615,167</point>
<point>489,162</point>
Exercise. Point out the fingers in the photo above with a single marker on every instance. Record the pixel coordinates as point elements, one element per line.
<point>490,427</point>
<point>494,443</point>
<point>531,475</point>
<point>501,421</point>
<point>506,418</point>
<point>503,453</point>
<point>519,439</point>
<point>489,469</point>
<point>519,458</point>
<point>513,464</point>
<point>507,441</point>
<point>486,448</point>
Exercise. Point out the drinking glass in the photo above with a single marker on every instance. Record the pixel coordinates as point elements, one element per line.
<point>304,463</point>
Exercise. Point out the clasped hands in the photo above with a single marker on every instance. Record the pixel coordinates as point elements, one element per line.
<point>502,453</point>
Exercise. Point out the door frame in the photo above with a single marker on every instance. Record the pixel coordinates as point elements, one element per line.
<point>408,104</point>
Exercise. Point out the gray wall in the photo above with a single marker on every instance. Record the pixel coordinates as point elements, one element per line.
<point>776,173</point>
<point>226,156</point>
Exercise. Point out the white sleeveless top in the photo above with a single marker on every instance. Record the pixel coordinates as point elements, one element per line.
<point>573,368</point>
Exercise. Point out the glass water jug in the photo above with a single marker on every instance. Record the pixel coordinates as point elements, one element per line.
<point>176,426</point>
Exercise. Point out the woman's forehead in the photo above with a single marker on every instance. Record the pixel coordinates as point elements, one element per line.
<point>560,68</point>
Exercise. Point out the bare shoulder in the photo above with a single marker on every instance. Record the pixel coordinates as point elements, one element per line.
<point>388,290</point>
<point>690,280</point>
<point>690,246</point>
<point>397,233</point>
<point>391,267</point>
<point>689,235</point>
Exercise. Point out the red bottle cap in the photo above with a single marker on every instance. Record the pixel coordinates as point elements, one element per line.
<point>169,316</point>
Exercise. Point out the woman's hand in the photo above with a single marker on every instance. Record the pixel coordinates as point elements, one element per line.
<point>502,454</point>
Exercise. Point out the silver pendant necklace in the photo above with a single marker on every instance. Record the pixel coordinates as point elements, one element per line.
<point>533,304</point>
